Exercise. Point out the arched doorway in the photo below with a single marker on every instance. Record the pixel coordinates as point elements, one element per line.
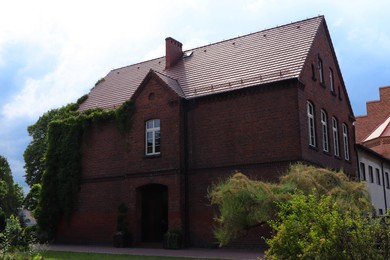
<point>154,212</point>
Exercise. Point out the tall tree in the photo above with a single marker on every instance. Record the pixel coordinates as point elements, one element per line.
<point>34,155</point>
<point>11,194</point>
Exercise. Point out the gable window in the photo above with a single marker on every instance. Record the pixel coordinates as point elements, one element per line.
<point>321,71</point>
<point>313,72</point>
<point>345,141</point>
<point>378,176</point>
<point>324,126</point>
<point>335,132</point>
<point>363,171</point>
<point>311,124</point>
<point>152,137</point>
<point>370,174</point>
<point>331,80</point>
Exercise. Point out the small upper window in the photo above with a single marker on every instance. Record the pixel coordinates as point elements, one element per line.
<point>152,137</point>
<point>387,180</point>
<point>331,80</point>
<point>335,131</point>
<point>321,71</point>
<point>311,124</point>
<point>346,142</point>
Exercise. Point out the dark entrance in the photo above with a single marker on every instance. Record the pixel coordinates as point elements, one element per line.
<point>154,212</point>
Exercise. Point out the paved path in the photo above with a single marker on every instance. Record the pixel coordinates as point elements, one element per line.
<point>240,254</point>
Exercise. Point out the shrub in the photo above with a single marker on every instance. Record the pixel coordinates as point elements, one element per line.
<point>317,227</point>
<point>16,242</point>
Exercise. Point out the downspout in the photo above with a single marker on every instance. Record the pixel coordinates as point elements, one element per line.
<point>186,184</point>
<point>384,188</point>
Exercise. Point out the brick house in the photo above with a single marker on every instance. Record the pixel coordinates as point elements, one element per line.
<point>255,104</point>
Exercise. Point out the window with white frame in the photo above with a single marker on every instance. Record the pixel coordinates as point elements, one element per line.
<point>346,142</point>
<point>311,124</point>
<point>335,132</point>
<point>324,126</point>
<point>331,80</point>
<point>152,137</point>
<point>321,71</point>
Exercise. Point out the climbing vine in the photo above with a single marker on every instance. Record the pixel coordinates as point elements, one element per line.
<point>61,179</point>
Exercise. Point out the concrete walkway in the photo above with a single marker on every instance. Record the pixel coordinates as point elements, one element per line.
<point>198,253</point>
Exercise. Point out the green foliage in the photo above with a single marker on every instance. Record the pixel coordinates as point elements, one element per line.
<point>82,99</point>
<point>245,203</point>
<point>11,194</point>
<point>32,199</point>
<point>61,178</point>
<point>317,227</point>
<point>34,155</point>
<point>16,242</point>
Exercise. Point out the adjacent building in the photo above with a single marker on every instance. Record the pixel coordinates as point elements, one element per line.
<point>254,104</point>
<point>373,147</point>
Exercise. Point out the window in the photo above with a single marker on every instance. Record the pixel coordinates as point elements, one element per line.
<point>370,174</point>
<point>378,176</point>
<point>387,180</point>
<point>380,211</point>
<point>346,142</point>
<point>152,135</point>
<point>335,131</point>
<point>363,171</point>
<point>331,80</point>
<point>324,126</point>
<point>313,72</point>
<point>321,71</point>
<point>311,122</point>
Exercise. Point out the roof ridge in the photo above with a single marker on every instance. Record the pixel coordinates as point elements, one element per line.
<point>249,34</point>
<point>219,42</point>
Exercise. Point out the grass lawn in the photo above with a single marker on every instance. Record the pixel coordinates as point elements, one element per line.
<point>57,255</point>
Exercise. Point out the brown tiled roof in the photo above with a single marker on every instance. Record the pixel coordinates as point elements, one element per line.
<point>267,56</point>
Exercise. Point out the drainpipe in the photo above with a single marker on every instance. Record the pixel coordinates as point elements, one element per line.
<point>384,186</point>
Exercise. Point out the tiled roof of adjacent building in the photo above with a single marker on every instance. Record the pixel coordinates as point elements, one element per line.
<point>381,131</point>
<point>263,57</point>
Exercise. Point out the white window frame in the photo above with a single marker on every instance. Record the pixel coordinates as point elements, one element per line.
<point>321,70</point>
<point>335,131</point>
<point>152,137</point>
<point>311,124</point>
<point>346,142</point>
<point>325,135</point>
<point>331,80</point>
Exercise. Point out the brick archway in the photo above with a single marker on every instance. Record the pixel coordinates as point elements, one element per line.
<point>153,208</point>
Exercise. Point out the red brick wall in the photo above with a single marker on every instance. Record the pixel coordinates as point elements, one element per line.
<point>334,103</point>
<point>249,127</point>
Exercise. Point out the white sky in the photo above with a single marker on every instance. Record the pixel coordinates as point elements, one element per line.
<point>53,52</point>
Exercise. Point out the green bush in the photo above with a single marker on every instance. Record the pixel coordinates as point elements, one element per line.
<point>16,242</point>
<point>317,227</point>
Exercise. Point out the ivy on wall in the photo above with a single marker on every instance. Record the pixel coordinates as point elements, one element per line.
<point>61,179</point>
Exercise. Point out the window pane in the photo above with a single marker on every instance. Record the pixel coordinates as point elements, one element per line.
<point>157,123</point>
<point>149,124</point>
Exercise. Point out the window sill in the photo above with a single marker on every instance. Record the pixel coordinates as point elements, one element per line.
<point>152,156</point>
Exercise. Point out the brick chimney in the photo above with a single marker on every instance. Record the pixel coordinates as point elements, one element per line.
<point>173,52</point>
